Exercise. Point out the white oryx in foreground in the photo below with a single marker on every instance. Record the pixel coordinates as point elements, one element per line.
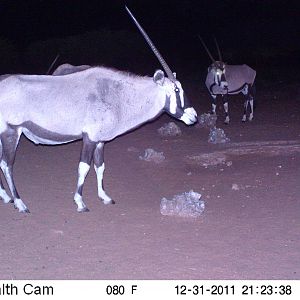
<point>223,79</point>
<point>95,105</point>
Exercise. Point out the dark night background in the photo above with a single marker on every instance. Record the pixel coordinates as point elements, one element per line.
<point>263,34</point>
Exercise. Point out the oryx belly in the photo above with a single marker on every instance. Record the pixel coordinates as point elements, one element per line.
<point>40,135</point>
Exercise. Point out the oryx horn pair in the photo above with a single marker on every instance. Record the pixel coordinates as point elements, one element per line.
<point>209,53</point>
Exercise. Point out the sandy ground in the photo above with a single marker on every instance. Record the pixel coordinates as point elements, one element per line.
<point>250,228</point>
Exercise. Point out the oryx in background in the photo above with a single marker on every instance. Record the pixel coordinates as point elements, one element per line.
<point>95,105</point>
<point>65,69</point>
<point>52,64</point>
<point>223,79</point>
<point>69,69</point>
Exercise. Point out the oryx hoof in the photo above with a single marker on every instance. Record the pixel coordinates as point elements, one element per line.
<point>18,204</point>
<point>226,120</point>
<point>244,119</point>
<point>23,211</point>
<point>83,209</point>
<point>6,201</point>
<point>107,202</point>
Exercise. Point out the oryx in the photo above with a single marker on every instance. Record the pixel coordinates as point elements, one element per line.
<point>95,105</point>
<point>52,64</point>
<point>223,79</point>
<point>68,69</point>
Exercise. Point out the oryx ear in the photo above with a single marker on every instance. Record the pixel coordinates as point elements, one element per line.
<point>159,77</point>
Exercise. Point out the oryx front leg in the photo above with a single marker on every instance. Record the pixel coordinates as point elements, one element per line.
<point>83,169</point>
<point>99,168</point>
<point>214,104</point>
<point>9,141</point>
<point>225,105</point>
<point>5,197</point>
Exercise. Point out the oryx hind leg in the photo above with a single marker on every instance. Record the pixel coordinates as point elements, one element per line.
<point>251,109</point>
<point>251,96</point>
<point>9,142</point>
<point>3,194</point>
<point>249,102</point>
<point>86,156</point>
<point>245,110</point>
<point>99,169</point>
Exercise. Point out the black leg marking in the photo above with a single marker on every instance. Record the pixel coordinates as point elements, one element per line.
<point>99,155</point>
<point>213,104</point>
<point>86,156</point>
<point>3,194</point>
<point>99,168</point>
<point>252,92</point>
<point>9,141</point>
<point>225,105</point>
<point>249,102</point>
<point>87,150</point>
<point>245,109</point>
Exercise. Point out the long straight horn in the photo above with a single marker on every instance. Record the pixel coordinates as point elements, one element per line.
<point>219,52</point>
<point>51,66</point>
<point>205,47</point>
<point>154,49</point>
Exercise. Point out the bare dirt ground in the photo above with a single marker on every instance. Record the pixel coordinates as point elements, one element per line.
<point>250,228</point>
